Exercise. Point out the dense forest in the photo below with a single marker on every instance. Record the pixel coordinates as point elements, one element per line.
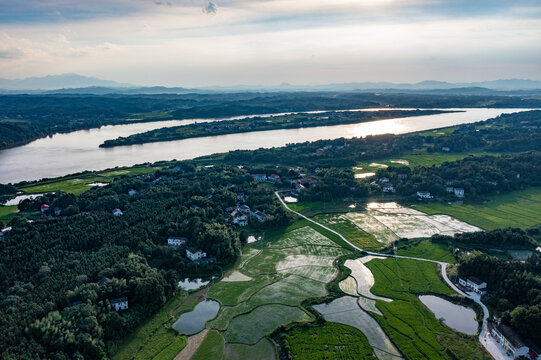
<point>514,289</point>
<point>290,121</point>
<point>59,273</point>
<point>27,117</point>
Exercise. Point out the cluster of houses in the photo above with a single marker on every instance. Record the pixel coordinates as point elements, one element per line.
<point>513,344</point>
<point>457,191</point>
<point>473,283</point>
<point>301,184</point>
<point>272,178</point>
<point>195,255</point>
<point>241,215</point>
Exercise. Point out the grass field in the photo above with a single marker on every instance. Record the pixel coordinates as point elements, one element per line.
<point>156,339</point>
<point>140,170</point>
<point>327,341</point>
<point>516,209</point>
<point>75,185</point>
<point>263,350</point>
<point>428,250</point>
<point>409,324</point>
<point>349,230</point>
<point>7,212</point>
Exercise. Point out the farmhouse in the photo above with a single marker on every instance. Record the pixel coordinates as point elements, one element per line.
<point>445,149</point>
<point>388,188</point>
<point>299,187</point>
<point>245,209</point>
<point>132,192</point>
<point>506,336</point>
<point>260,216</point>
<point>120,303</point>
<point>43,208</point>
<point>473,283</point>
<point>241,220</point>
<point>424,195</point>
<point>449,189</point>
<point>195,254</point>
<point>5,231</point>
<point>260,177</point>
<point>459,192</point>
<point>117,212</point>
<point>273,178</point>
<point>384,180</point>
<point>177,242</point>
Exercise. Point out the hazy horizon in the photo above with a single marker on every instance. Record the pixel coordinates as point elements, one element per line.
<point>225,43</point>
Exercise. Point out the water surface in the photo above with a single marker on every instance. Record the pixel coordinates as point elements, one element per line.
<point>63,154</point>
<point>457,317</point>
<point>194,284</point>
<point>194,321</point>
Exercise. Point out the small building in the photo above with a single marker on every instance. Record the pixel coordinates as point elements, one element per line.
<point>194,207</point>
<point>402,176</point>
<point>260,177</point>
<point>104,280</point>
<point>449,189</point>
<point>57,211</point>
<point>474,284</point>
<point>117,212</point>
<point>459,192</point>
<point>5,231</point>
<point>445,149</point>
<point>388,188</point>
<point>176,242</point>
<point>299,187</point>
<point>120,303</point>
<point>245,209</point>
<point>44,208</point>
<point>241,220</point>
<point>132,192</point>
<point>75,303</point>
<point>384,180</point>
<point>195,254</point>
<point>509,339</point>
<point>260,216</point>
<point>424,195</point>
<point>273,178</point>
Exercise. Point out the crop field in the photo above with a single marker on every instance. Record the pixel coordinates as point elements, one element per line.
<point>345,310</point>
<point>7,212</point>
<point>327,341</point>
<point>263,350</point>
<point>428,250</point>
<point>74,185</point>
<point>284,270</point>
<point>349,230</point>
<point>138,170</point>
<point>409,324</point>
<point>516,209</point>
<point>213,347</point>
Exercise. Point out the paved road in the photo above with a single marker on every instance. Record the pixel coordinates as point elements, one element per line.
<point>495,350</point>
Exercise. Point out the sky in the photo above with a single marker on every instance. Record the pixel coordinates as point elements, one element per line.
<point>268,42</point>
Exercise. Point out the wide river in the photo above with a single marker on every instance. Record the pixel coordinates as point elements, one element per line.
<point>63,154</point>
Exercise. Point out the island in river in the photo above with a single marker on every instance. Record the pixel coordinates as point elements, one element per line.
<point>289,121</point>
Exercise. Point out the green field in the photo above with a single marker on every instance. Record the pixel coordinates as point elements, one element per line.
<point>263,350</point>
<point>516,209</point>
<point>428,250</point>
<point>327,341</point>
<point>74,185</point>
<point>156,339</point>
<point>213,347</point>
<point>409,324</point>
<point>7,212</point>
<point>349,230</point>
<point>137,170</point>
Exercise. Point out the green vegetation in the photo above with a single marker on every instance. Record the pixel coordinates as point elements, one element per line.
<point>409,324</point>
<point>7,212</point>
<point>75,186</point>
<point>156,339</point>
<point>516,209</point>
<point>136,170</point>
<point>290,121</point>
<point>349,230</point>
<point>427,250</point>
<point>213,347</point>
<point>327,341</point>
<point>263,350</point>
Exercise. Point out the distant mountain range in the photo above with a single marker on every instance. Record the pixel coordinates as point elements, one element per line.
<point>78,84</point>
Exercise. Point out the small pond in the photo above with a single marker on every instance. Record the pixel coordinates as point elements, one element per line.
<point>194,321</point>
<point>17,199</point>
<point>457,317</point>
<point>188,284</point>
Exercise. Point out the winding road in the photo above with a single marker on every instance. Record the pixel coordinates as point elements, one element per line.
<point>488,342</point>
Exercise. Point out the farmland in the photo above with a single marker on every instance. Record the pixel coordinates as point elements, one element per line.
<point>7,212</point>
<point>327,341</point>
<point>409,324</point>
<point>428,250</point>
<point>517,209</point>
<point>76,185</point>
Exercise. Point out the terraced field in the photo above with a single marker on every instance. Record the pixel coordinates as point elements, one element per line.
<point>516,209</point>
<point>272,280</point>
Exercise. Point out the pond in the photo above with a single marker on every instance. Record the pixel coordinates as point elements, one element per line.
<point>194,321</point>
<point>17,199</point>
<point>194,284</point>
<point>457,317</point>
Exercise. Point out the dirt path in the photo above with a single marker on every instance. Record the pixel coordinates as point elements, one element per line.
<point>194,342</point>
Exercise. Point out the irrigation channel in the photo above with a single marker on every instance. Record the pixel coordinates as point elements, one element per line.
<point>485,339</point>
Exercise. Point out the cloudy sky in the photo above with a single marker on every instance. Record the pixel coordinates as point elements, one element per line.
<point>228,42</point>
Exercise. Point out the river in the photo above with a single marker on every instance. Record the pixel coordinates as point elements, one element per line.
<point>77,151</point>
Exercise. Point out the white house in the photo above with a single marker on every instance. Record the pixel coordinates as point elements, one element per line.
<point>424,195</point>
<point>509,340</point>
<point>445,149</point>
<point>260,177</point>
<point>241,220</point>
<point>132,192</point>
<point>459,192</point>
<point>273,178</point>
<point>177,242</point>
<point>473,283</point>
<point>117,212</point>
<point>120,303</point>
<point>195,254</point>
